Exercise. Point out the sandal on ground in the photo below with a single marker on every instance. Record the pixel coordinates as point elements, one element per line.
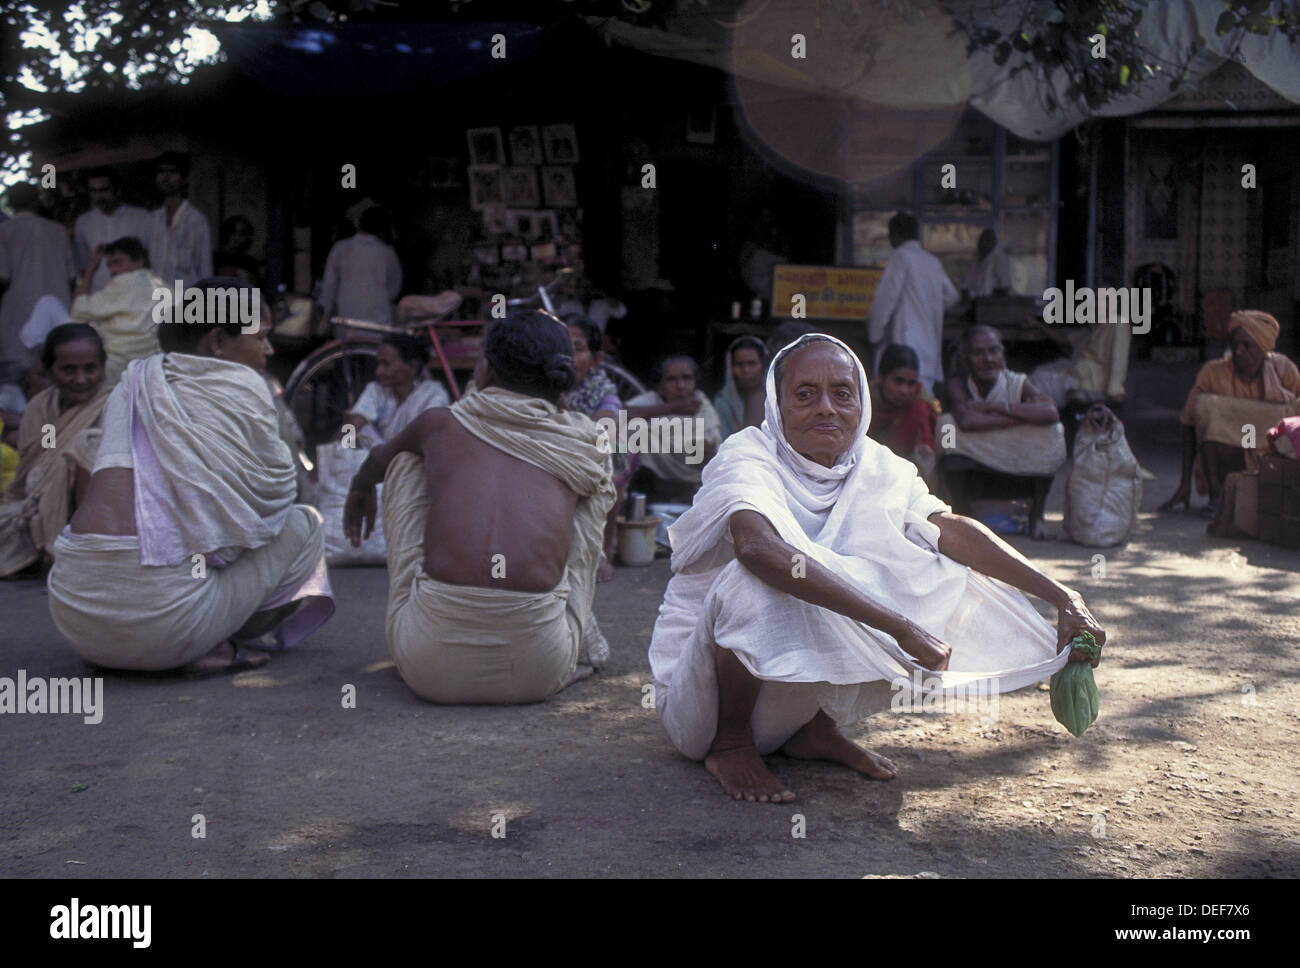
<point>240,661</point>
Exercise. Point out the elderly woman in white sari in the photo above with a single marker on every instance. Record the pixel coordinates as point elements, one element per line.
<point>814,570</point>
<point>188,549</point>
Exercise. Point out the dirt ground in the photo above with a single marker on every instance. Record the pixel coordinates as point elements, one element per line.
<point>1188,772</point>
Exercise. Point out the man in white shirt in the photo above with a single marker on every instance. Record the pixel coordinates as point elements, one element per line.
<point>910,301</point>
<point>990,274</point>
<point>180,243</point>
<point>362,274</point>
<point>35,260</point>
<point>122,312</point>
<point>106,221</point>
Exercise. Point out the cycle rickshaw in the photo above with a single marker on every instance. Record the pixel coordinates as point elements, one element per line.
<point>324,387</point>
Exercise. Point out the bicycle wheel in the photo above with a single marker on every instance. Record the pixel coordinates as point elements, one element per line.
<point>627,385</point>
<point>325,386</point>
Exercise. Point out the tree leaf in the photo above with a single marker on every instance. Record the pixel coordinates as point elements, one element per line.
<point>1001,54</point>
<point>1124,73</point>
<point>1227,21</point>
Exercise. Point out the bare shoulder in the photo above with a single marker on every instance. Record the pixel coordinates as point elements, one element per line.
<point>432,424</point>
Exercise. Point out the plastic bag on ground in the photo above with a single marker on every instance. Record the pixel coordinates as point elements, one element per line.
<point>1103,490</point>
<point>336,465</point>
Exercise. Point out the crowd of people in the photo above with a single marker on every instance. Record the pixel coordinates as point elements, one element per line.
<point>829,547</point>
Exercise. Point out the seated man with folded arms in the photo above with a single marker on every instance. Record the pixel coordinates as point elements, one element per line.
<point>188,548</point>
<point>1001,426</point>
<point>684,431</point>
<point>1253,387</point>
<point>494,514</point>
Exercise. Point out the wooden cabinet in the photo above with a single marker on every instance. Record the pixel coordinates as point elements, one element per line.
<point>996,181</point>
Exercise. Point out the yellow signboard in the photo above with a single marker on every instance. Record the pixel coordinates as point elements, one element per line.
<point>829,292</point>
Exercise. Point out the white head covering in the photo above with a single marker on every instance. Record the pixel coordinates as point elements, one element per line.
<point>866,517</point>
<point>816,486</point>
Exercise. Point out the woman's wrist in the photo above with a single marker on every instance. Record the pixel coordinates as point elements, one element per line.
<point>1064,598</point>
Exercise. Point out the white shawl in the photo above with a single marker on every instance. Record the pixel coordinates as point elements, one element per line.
<point>211,472</point>
<point>865,518</point>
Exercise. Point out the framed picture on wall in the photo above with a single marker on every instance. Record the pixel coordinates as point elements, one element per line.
<point>521,187</point>
<point>485,186</point>
<point>485,146</point>
<point>561,144</point>
<point>545,226</point>
<point>495,221</point>
<point>568,225</point>
<point>558,186</point>
<point>525,146</point>
<point>521,224</point>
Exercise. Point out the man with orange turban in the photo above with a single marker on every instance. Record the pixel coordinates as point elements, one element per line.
<point>1250,388</point>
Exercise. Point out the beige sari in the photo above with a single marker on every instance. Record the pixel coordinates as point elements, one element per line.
<point>38,502</point>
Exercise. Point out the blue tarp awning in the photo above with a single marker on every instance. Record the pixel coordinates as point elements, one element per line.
<point>360,60</point>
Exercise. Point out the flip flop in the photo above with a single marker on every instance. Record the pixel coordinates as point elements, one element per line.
<point>269,642</point>
<point>242,660</point>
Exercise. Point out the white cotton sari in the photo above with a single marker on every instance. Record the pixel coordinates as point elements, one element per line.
<point>865,518</point>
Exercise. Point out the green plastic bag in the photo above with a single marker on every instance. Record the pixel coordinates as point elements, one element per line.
<point>1074,692</point>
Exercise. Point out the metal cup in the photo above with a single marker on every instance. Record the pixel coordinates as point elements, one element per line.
<point>635,506</point>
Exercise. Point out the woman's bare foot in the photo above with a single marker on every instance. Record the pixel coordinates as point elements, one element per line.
<point>742,774</point>
<point>227,657</point>
<point>581,671</point>
<point>820,739</point>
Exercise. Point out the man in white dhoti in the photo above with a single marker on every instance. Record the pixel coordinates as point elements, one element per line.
<point>492,553</point>
<point>908,306</point>
<point>814,569</point>
<point>188,551</point>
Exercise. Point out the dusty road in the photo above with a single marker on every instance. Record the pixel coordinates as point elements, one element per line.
<point>1189,771</point>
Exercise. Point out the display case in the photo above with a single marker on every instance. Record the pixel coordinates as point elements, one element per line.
<point>998,181</point>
